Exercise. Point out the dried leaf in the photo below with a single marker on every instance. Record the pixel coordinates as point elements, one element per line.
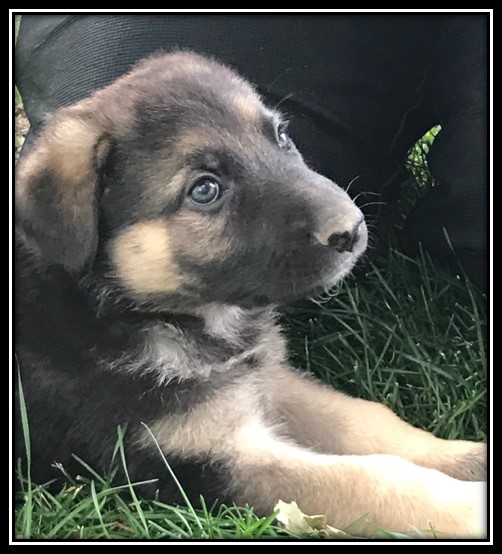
<point>298,523</point>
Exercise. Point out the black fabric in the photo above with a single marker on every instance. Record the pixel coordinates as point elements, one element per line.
<point>360,90</point>
<point>457,209</point>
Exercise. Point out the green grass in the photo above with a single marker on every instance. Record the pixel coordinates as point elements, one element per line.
<point>406,333</point>
<point>409,335</point>
<point>93,508</point>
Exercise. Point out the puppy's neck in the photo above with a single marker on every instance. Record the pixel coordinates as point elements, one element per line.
<point>229,323</point>
<point>220,340</point>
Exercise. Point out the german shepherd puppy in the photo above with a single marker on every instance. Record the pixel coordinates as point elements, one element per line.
<point>159,224</point>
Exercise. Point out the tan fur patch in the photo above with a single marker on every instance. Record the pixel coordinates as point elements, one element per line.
<point>394,493</point>
<point>191,140</point>
<point>66,150</point>
<point>329,421</point>
<point>143,258</point>
<point>71,153</point>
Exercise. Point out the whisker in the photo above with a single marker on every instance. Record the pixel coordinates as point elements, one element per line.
<point>353,181</point>
<point>287,97</point>
<point>269,88</point>
<point>365,193</point>
<point>373,204</point>
<point>372,193</point>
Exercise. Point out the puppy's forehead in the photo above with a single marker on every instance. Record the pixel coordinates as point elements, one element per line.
<point>200,89</point>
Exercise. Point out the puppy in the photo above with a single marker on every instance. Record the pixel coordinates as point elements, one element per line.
<point>159,224</point>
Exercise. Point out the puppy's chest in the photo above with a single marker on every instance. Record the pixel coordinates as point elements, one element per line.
<point>213,352</point>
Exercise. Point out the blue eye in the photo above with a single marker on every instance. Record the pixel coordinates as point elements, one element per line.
<point>283,139</point>
<point>205,191</point>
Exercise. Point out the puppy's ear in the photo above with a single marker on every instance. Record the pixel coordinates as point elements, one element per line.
<point>56,188</point>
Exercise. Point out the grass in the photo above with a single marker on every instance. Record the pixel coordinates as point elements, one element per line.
<point>93,508</point>
<point>406,333</point>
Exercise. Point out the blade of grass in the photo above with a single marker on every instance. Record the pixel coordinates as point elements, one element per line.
<point>136,502</point>
<point>98,510</point>
<point>175,479</point>
<point>28,504</point>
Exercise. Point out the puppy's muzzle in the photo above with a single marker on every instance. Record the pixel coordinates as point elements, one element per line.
<point>342,228</point>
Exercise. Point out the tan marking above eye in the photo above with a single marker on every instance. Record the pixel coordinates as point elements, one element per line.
<point>190,140</point>
<point>143,258</point>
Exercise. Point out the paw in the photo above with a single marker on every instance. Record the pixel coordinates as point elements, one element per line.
<point>468,463</point>
<point>422,501</point>
<point>449,508</point>
<point>465,515</point>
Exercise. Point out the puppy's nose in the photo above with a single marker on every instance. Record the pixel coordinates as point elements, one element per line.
<point>344,242</point>
<point>342,239</point>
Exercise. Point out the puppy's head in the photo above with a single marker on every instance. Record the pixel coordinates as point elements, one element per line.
<point>178,187</point>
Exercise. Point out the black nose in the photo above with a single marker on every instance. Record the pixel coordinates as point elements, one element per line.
<point>345,242</point>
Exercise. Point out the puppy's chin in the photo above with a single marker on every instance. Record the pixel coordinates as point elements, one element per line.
<point>340,271</point>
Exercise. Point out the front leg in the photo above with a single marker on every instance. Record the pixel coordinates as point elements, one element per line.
<point>329,421</point>
<point>259,467</point>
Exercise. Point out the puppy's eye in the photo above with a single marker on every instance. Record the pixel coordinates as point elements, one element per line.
<point>283,139</point>
<point>205,191</point>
